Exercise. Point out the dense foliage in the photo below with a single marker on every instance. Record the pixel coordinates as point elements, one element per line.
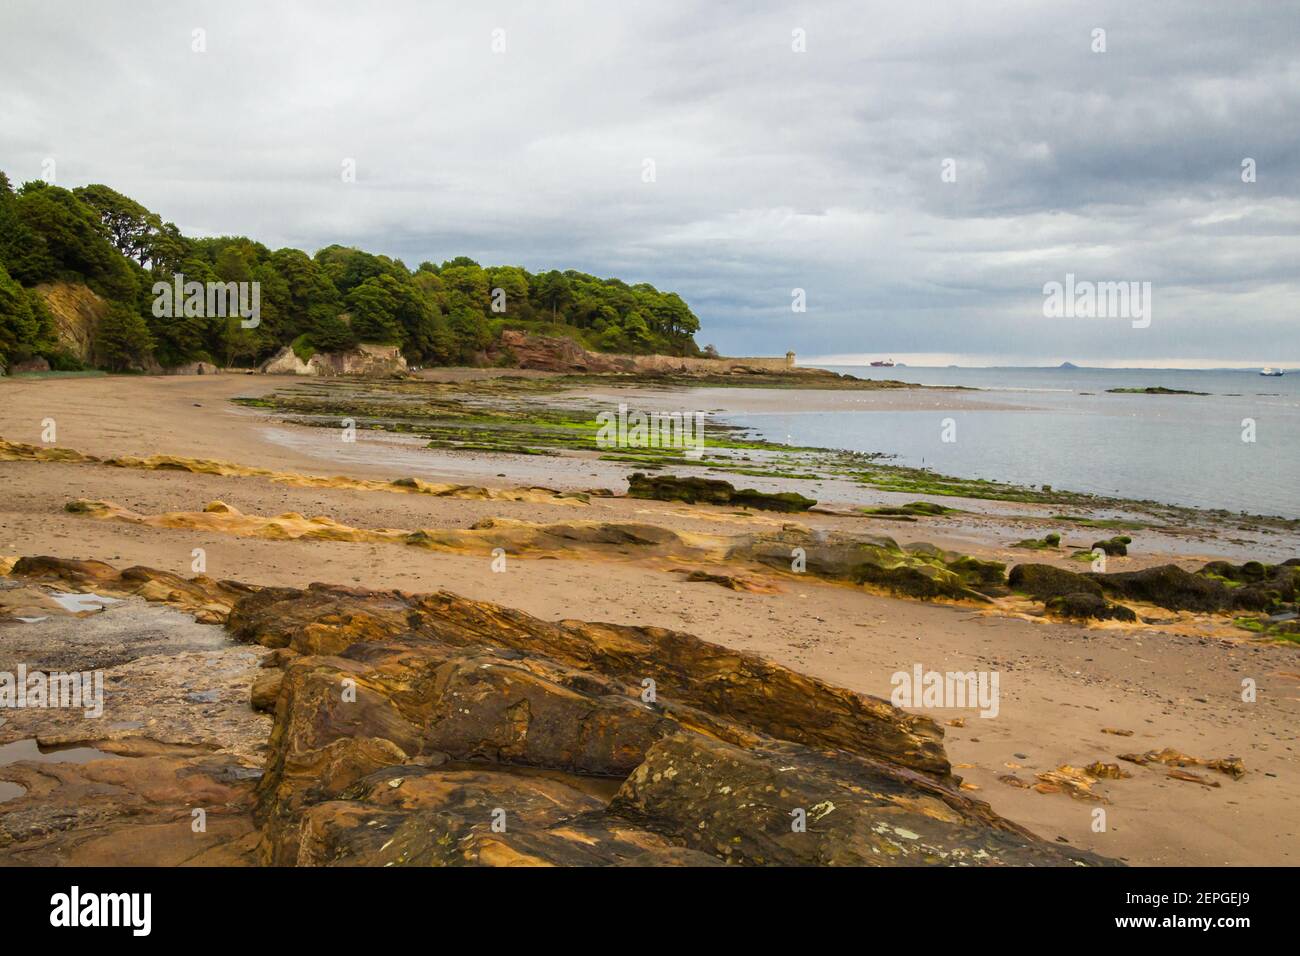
<point>444,314</point>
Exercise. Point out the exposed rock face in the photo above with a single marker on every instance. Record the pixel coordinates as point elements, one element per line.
<point>859,811</point>
<point>465,714</point>
<point>712,491</point>
<point>77,311</point>
<point>365,360</point>
<point>552,354</point>
<point>434,730</point>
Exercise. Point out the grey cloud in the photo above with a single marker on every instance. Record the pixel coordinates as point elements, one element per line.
<point>776,170</point>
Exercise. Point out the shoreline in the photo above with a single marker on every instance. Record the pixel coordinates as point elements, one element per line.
<point>1171,685</point>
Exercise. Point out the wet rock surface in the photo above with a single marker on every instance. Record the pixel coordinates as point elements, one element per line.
<point>713,491</point>
<point>174,733</point>
<point>1217,588</point>
<point>1090,606</point>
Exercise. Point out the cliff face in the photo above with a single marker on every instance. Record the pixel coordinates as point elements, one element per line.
<point>77,312</point>
<point>364,360</point>
<point>551,354</point>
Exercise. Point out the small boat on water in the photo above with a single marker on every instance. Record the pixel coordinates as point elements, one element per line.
<point>887,363</point>
<point>1273,372</point>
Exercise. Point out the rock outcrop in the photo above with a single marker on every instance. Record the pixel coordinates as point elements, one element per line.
<point>20,451</point>
<point>551,354</point>
<point>1217,588</point>
<point>427,729</point>
<point>1089,606</point>
<point>1044,581</point>
<point>77,312</point>
<point>713,491</point>
<point>369,361</point>
<point>917,570</point>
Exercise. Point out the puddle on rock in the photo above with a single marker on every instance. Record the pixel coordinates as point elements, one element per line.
<point>75,603</point>
<point>28,749</point>
<point>10,791</point>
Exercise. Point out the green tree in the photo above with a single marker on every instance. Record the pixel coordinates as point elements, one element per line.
<point>122,340</point>
<point>374,313</point>
<point>555,292</point>
<point>26,327</point>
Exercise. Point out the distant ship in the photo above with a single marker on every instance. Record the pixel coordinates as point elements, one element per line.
<point>1273,372</point>
<point>887,363</point>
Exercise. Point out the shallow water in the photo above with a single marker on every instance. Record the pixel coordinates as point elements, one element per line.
<point>1065,430</point>
<point>28,749</point>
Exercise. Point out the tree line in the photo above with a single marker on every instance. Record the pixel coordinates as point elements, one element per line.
<point>446,314</point>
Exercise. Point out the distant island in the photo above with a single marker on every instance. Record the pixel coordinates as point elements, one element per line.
<point>1154,390</point>
<point>78,269</point>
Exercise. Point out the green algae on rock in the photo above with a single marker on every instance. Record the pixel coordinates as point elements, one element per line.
<point>712,491</point>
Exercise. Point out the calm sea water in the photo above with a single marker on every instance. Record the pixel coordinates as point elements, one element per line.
<point>1066,431</point>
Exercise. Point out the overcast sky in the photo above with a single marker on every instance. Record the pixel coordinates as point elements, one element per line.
<point>773,169</point>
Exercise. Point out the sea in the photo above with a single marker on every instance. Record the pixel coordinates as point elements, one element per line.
<point>1235,448</point>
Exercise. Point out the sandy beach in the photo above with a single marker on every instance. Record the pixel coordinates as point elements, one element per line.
<point>1062,683</point>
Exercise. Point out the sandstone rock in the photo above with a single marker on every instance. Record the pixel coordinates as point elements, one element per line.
<point>740,805</point>
<point>1232,766</point>
<point>266,688</point>
<point>551,354</point>
<point>484,694</point>
<point>77,312</point>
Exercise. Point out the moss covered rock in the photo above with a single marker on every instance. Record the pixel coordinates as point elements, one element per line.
<point>713,491</point>
<point>1043,581</point>
<point>1114,547</point>
<point>1090,606</point>
<point>1168,586</point>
